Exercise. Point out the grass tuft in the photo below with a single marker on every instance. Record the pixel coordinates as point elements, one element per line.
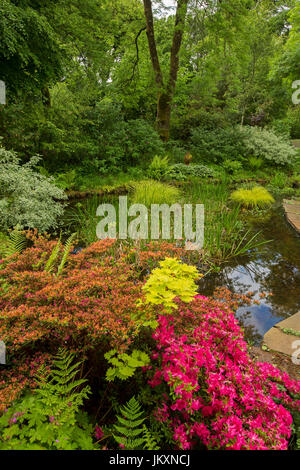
<point>257,197</point>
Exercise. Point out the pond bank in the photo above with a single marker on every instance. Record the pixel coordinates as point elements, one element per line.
<point>282,337</point>
<point>277,359</point>
<point>292,213</point>
<point>123,189</point>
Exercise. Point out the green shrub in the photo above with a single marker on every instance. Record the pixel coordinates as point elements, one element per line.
<point>152,192</point>
<point>281,127</point>
<point>216,145</point>
<point>142,142</point>
<point>240,143</point>
<point>27,198</point>
<point>265,144</point>
<point>184,121</point>
<point>232,166</point>
<point>159,168</point>
<point>126,143</point>
<point>182,172</point>
<point>257,197</point>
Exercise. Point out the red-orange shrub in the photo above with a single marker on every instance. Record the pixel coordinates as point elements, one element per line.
<point>89,307</point>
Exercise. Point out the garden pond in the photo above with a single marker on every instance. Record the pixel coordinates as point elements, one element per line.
<point>273,268</point>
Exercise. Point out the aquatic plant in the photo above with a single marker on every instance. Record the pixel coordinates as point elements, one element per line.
<point>257,197</point>
<point>225,235</point>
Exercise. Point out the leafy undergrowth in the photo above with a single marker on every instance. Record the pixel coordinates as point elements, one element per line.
<point>184,356</point>
<point>89,307</point>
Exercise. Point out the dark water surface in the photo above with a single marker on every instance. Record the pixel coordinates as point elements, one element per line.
<point>274,268</point>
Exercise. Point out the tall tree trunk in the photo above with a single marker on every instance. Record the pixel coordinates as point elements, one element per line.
<point>165,92</point>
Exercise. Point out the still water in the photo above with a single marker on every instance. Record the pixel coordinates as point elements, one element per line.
<point>273,268</point>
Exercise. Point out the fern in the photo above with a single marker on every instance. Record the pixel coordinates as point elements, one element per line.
<point>130,427</point>
<point>50,418</point>
<point>53,257</point>
<point>149,441</point>
<point>16,243</point>
<point>67,249</point>
<point>49,267</point>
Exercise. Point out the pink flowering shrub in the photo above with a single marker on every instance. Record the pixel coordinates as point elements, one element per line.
<point>210,392</point>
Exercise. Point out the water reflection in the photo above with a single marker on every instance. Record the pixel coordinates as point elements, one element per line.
<point>274,268</point>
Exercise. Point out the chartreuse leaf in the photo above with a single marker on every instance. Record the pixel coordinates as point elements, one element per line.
<point>170,280</point>
<point>125,365</point>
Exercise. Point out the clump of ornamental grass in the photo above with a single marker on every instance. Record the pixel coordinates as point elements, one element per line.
<point>257,197</point>
<point>153,192</point>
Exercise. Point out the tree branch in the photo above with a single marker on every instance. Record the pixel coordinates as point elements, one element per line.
<point>152,42</point>
<point>177,41</point>
<point>137,52</point>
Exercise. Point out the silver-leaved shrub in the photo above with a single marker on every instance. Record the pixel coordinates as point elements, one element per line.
<point>27,198</point>
<point>265,144</point>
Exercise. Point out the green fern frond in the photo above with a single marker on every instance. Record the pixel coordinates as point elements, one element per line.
<point>16,243</point>
<point>67,249</point>
<point>149,441</point>
<point>129,427</point>
<point>50,417</point>
<point>53,257</point>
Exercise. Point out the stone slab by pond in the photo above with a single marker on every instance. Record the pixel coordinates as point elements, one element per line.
<point>277,340</point>
<point>292,212</point>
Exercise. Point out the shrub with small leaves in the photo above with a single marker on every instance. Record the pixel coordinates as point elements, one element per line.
<point>181,172</point>
<point>27,198</point>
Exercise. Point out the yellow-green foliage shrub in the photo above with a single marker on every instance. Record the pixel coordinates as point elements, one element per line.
<point>257,197</point>
<point>172,279</point>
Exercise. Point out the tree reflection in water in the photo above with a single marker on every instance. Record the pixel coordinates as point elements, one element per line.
<point>273,268</point>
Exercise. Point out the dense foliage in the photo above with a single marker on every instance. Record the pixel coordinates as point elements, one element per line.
<point>27,198</point>
<point>91,99</point>
<point>204,389</point>
<point>108,343</point>
<point>215,394</point>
